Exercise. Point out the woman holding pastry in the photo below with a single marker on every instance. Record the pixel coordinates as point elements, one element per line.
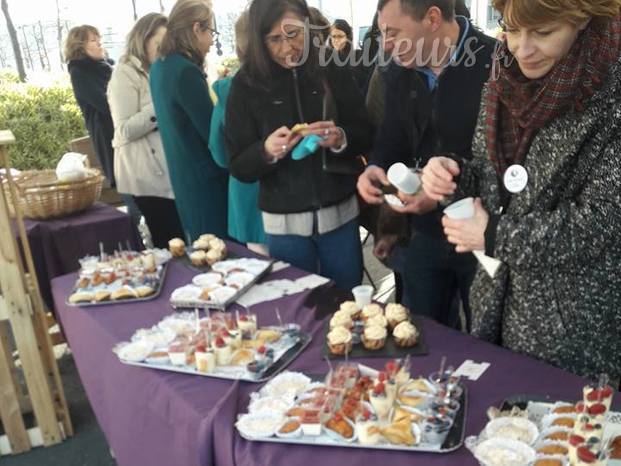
<point>280,98</point>
<point>546,173</point>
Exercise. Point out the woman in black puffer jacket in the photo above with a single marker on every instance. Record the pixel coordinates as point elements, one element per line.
<point>309,205</point>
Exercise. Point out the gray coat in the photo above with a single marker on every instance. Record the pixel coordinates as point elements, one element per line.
<point>557,297</point>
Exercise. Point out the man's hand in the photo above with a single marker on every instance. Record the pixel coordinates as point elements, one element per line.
<point>369,184</point>
<point>418,203</point>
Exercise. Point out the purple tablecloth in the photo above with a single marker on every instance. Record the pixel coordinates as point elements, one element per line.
<point>57,244</point>
<point>157,418</point>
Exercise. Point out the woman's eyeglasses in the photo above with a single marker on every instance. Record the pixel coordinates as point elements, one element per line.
<point>277,40</point>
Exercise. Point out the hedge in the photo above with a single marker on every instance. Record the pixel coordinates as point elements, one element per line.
<point>43,118</point>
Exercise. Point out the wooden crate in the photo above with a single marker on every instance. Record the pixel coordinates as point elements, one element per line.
<point>23,327</point>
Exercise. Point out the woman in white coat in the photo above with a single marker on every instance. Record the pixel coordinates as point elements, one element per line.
<point>139,163</point>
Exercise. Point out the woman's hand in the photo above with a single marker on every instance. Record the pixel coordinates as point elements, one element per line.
<point>438,176</point>
<point>332,136</point>
<point>467,235</point>
<point>280,142</point>
<point>417,204</point>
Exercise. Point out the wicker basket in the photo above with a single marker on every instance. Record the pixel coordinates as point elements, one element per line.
<point>42,196</point>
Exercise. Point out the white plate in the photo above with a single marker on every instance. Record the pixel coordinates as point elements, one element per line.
<point>270,404</point>
<point>240,279</point>
<point>186,293</point>
<point>205,280</point>
<point>222,295</point>
<point>135,352</point>
<point>177,326</point>
<point>287,385</point>
<point>504,452</point>
<point>159,338</point>
<point>259,425</point>
<point>512,428</point>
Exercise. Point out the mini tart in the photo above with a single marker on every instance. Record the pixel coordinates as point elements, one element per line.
<point>377,321</point>
<point>198,258</point>
<point>176,247</point>
<point>213,256</point>
<point>339,341</point>
<point>351,308</point>
<point>200,244</point>
<point>405,334</point>
<point>374,337</point>
<point>341,319</point>
<point>123,293</point>
<point>81,297</point>
<point>102,295</point>
<point>371,310</point>
<point>207,237</point>
<point>396,313</point>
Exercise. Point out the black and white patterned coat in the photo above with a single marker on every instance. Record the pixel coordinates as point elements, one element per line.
<point>557,297</point>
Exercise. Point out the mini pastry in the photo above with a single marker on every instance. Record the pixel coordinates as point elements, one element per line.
<point>81,297</point>
<point>564,422</point>
<point>374,337</point>
<point>341,319</point>
<point>378,321</point>
<point>564,409</point>
<point>207,237</point>
<point>406,335</point>
<point>351,308</point>
<point>102,295</point>
<point>548,462</point>
<point>615,445</point>
<point>198,258</point>
<point>299,128</point>
<point>123,293</point>
<point>213,256</point>
<point>217,244</point>
<point>559,435</point>
<point>339,424</point>
<point>148,262</point>
<point>400,433</point>
<point>339,341</point>
<point>396,313</point>
<point>268,336</point>
<point>83,283</point>
<point>418,385</point>
<point>552,449</point>
<point>144,291</point>
<point>290,426</point>
<point>176,247</point>
<point>371,310</point>
<point>200,244</point>
<point>248,325</point>
<point>241,357</point>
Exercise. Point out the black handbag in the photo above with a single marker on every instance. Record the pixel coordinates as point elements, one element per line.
<point>336,163</point>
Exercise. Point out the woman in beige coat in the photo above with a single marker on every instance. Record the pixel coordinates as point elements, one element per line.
<point>140,165</point>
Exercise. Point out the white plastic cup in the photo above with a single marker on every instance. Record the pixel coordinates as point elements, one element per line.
<point>461,210</point>
<point>363,294</point>
<point>403,178</point>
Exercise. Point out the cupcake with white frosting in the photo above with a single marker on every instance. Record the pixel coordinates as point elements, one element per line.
<point>406,335</point>
<point>374,337</point>
<point>396,313</point>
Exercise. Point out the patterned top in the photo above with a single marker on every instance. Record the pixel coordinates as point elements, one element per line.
<point>557,296</point>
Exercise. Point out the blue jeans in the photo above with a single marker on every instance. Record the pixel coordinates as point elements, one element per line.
<point>436,278</point>
<point>336,255</point>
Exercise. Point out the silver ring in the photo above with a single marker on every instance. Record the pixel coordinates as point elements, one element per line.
<point>284,148</point>
<point>327,131</point>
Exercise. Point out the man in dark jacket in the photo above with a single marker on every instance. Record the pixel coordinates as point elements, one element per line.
<point>433,91</point>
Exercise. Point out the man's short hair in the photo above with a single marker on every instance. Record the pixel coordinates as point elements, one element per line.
<point>418,8</point>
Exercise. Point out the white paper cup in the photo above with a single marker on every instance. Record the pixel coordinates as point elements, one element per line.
<point>363,295</point>
<point>404,179</point>
<point>461,210</point>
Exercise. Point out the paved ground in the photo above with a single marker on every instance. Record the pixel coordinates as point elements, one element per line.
<point>88,447</point>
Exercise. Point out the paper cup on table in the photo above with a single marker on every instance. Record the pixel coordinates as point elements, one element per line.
<point>463,210</point>
<point>404,179</point>
<point>363,295</point>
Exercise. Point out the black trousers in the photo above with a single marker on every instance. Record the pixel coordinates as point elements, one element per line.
<point>436,278</point>
<point>162,219</point>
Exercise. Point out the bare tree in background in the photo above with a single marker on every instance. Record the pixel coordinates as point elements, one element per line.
<point>134,7</point>
<point>26,48</point>
<point>59,35</point>
<point>161,6</point>
<point>17,52</point>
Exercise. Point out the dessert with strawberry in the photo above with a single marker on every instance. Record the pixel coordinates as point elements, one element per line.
<point>223,351</point>
<point>381,401</point>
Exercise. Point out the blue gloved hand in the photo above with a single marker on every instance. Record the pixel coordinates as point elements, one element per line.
<point>306,147</point>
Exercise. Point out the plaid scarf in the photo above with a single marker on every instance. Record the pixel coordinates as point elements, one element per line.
<point>518,107</point>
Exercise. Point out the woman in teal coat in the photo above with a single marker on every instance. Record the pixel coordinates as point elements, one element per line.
<point>245,221</point>
<point>183,108</point>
